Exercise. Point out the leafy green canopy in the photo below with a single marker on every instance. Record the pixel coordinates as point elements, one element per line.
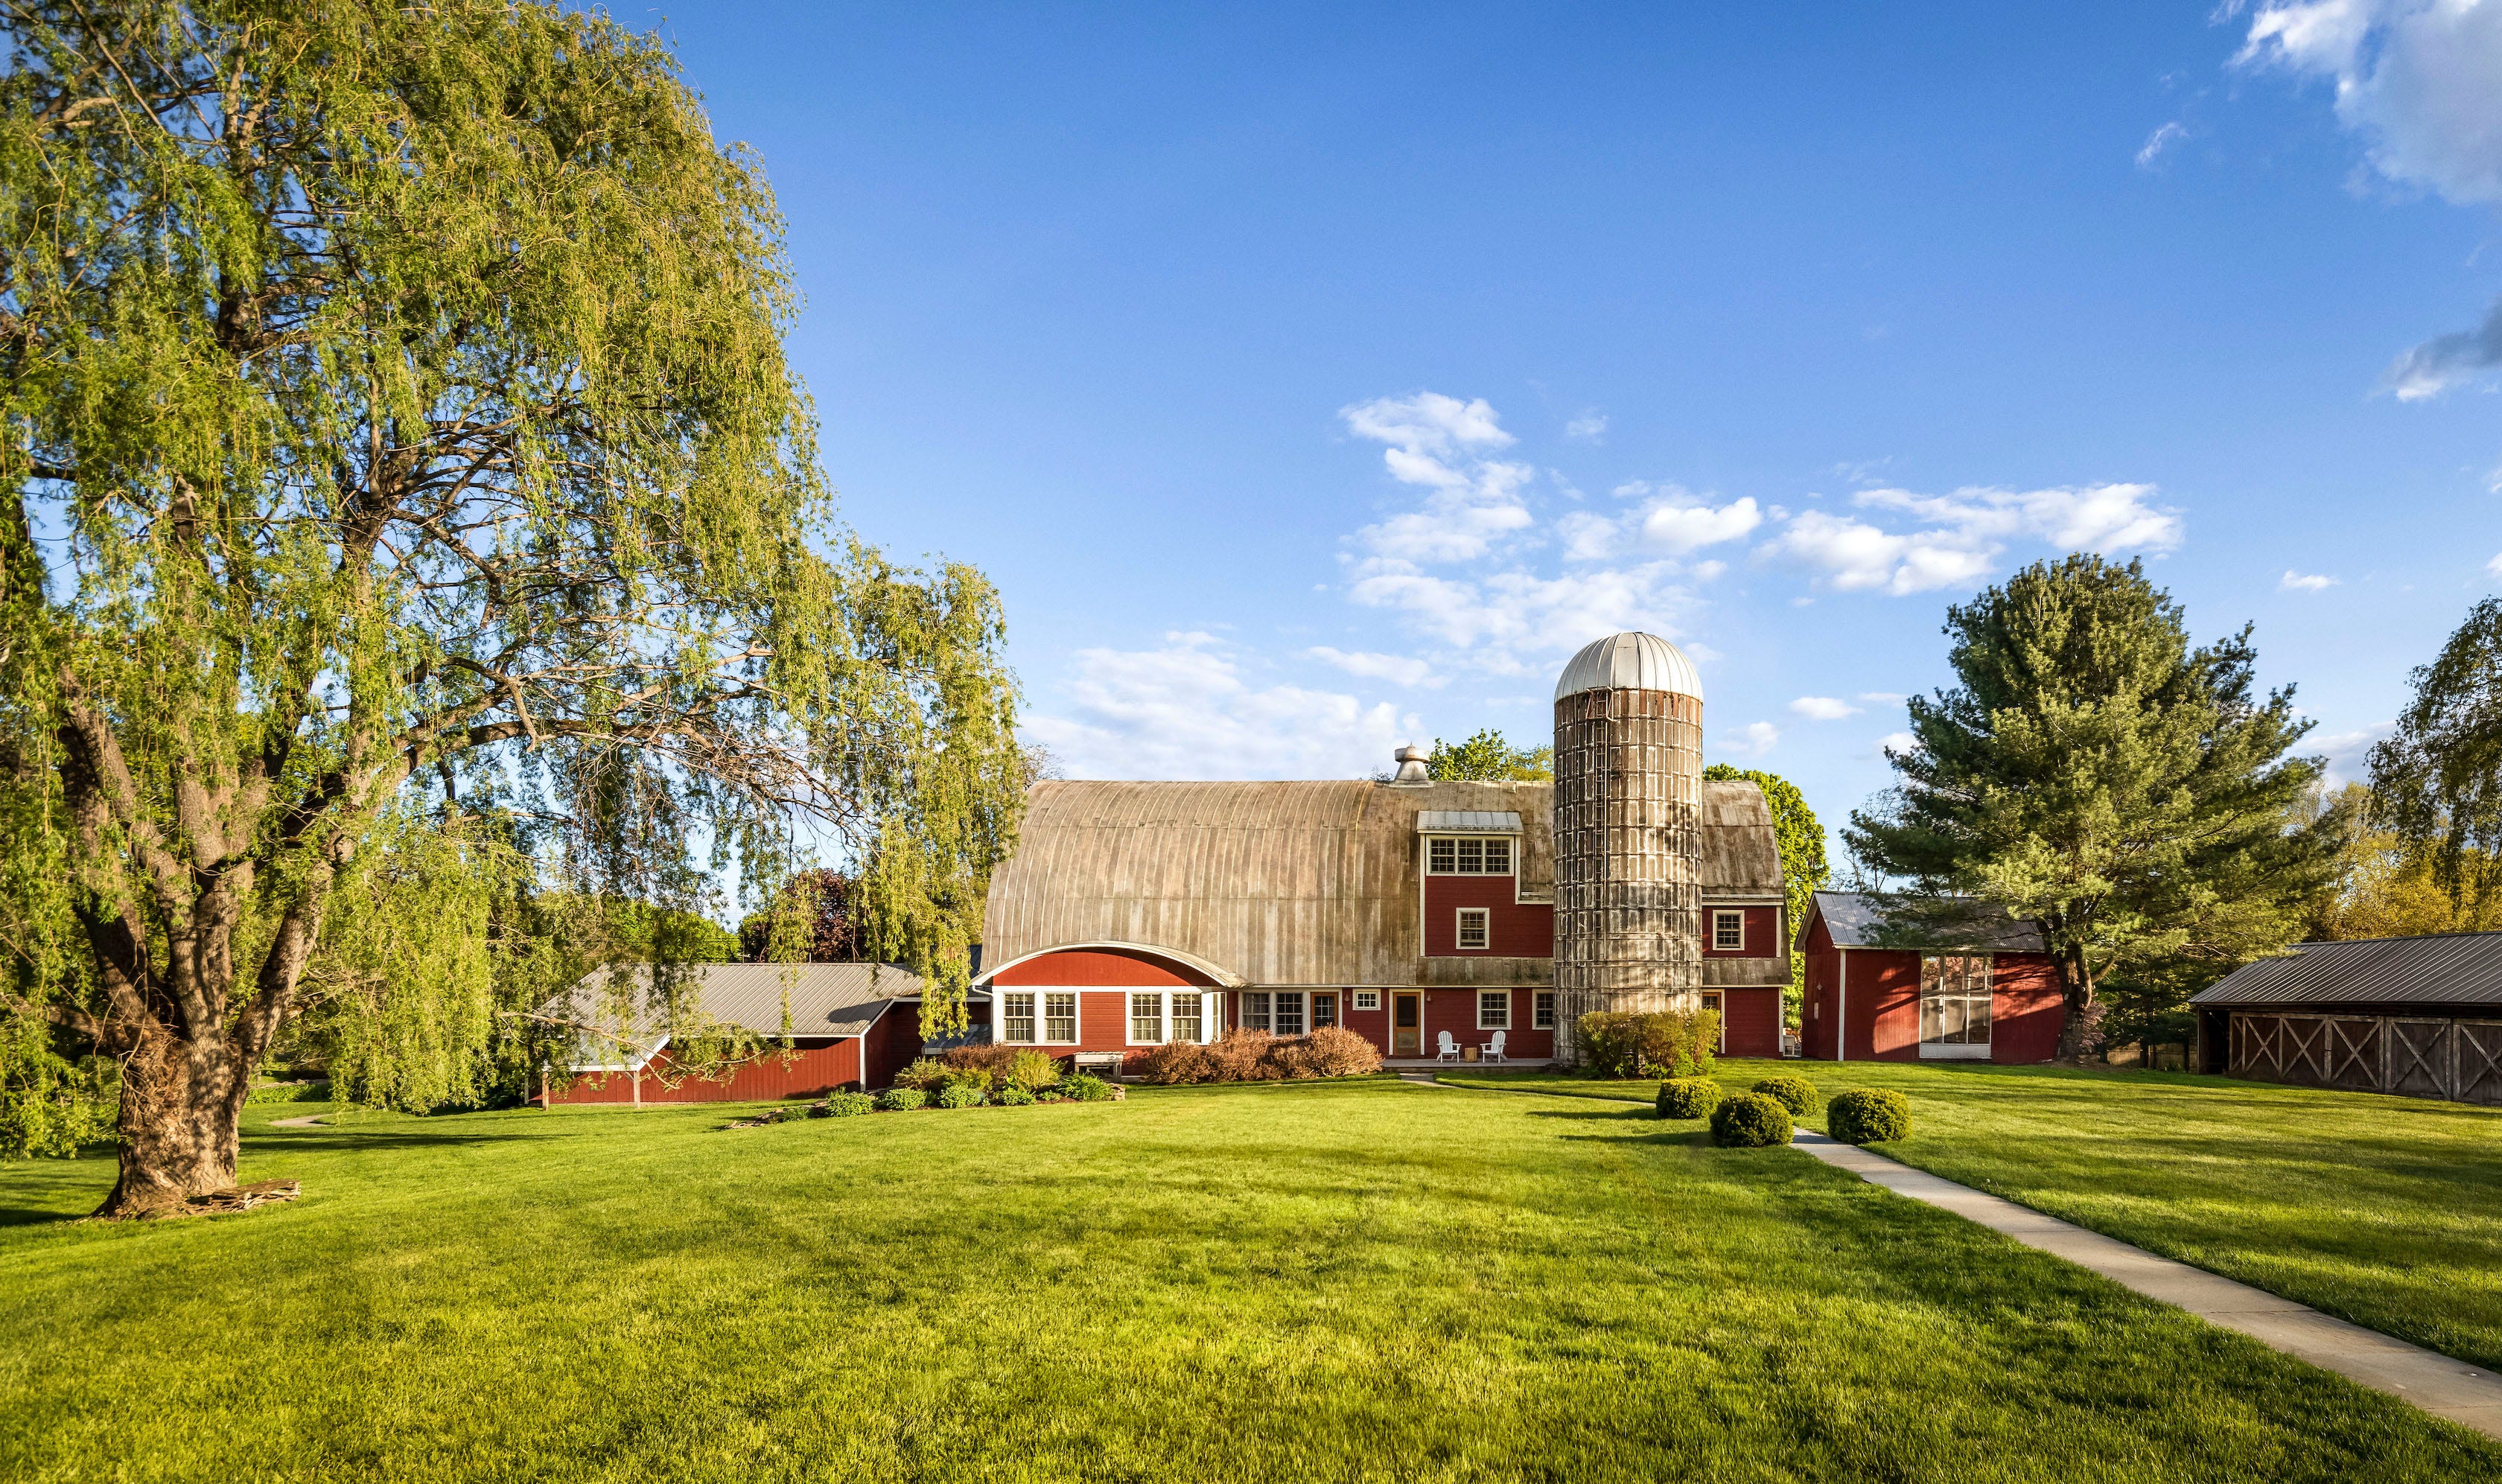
<point>412,504</point>
<point>1799,836</point>
<point>2437,782</point>
<point>1488,757</point>
<point>2094,771</point>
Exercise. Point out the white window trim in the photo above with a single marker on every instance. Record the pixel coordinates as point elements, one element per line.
<point>1548,1009</point>
<point>1301,998</point>
<point>1000,1014</point>
<point>1459,930</point>
<point>1365,1000</point>
<point>1208,1014</point>
<point>1941,1050</point>
<point>1506,1010</point>
<point>1718,915</point>
<point>1720,1007</point>
<point>1511,856</point>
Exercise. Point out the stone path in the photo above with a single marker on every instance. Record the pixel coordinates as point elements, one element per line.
<point>2447,1387</point>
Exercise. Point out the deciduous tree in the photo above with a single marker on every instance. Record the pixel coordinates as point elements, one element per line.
<point>1489,757</point>
<point>1800,837</point>
<point>2096,772</point>
<point>2437,780</point>
<point>400,437</point>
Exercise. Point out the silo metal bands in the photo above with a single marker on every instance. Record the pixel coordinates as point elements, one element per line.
<point>1628,831</point>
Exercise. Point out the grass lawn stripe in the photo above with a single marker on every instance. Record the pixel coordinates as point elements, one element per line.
<point>1302,1282</point>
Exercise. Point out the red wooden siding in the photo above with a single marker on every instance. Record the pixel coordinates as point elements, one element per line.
<point>1514,929</point>
<point>1751,1021</point>
<point>1104,967</point>
<point>1762,933</point>
<point>1881,999</point>
<point>815,1069</point>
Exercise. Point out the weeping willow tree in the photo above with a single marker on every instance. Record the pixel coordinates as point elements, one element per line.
<point>411,497</point>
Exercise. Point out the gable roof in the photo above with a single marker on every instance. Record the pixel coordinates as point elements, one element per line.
<point>826,1000</point>
<point>1904,921</point>
<point>2453,968</point>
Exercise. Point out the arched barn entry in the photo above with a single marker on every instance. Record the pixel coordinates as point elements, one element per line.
<point>1106,1003</point>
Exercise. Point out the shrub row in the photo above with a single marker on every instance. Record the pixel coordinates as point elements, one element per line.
<point>1256,1056</point>
<point>1765,1114</point>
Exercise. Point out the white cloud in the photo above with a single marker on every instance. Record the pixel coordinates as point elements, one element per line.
<point>1823,708</point>
<point>1962,536</point>
<point>1754,739</point>
<point>1436,443</point>
<point>2304,582</point>
<point>2156,142</point>
<point>1667,519</point>
<point>1590,426</point>
<point>1897,742</point>
<point>2448,361</point>
<point>2417,79</point>
<point>1675,527</point>
<point>2495,566</point>
<point>1184,711</point>
<point>1398,669</point>
<point>2349,753</point>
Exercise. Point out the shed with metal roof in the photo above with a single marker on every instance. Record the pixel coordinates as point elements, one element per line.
<point>2420,1017</point>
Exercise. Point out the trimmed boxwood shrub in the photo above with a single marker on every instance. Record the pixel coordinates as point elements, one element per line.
<point>1688,1097</point>
<point>959,1094</point>
<point>1749,1120</point>
<point>1796,1094</point>
<point>1013,1097</point>
<point>901,1100</point>
<point>1086,1088</point>
<point>1868,1115</point>
<point>846,1106</point>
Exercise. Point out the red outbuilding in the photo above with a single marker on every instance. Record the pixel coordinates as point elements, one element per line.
<point>827,1027</point>
<point>1925,979</point>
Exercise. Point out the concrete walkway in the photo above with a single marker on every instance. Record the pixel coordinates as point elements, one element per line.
<point>2444,1387</point>
<point>308,1121</point>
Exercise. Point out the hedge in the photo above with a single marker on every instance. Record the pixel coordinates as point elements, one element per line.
<point>1796,1094</point>
<point>1688,1097</point>
<point>1750,1121</point>
<point>1867,1116</point>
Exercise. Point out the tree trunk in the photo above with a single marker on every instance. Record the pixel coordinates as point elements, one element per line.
<point>182,1107</point>
<point>2080,1035</point>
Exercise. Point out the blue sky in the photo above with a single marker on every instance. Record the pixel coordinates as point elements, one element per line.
<point>1314,380</point>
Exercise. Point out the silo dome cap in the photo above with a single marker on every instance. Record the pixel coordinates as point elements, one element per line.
<point>1630,663</point>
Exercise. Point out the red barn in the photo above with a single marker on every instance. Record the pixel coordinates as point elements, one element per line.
<point>849,1026</point>
<point>1904,979</point>
<point>1417,914</point>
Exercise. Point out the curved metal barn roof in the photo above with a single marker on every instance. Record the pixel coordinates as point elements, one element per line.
<point>2450,968</point>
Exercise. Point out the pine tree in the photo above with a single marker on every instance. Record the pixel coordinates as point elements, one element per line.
<point>2095,772</point>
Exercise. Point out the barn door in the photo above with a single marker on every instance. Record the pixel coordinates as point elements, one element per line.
<point>2419,1058</point>
<point>1407,1024</point>
<point>2479,1048</point>
<point>2354,1052</point>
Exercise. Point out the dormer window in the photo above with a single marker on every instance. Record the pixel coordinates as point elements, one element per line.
<point>1467,856</point>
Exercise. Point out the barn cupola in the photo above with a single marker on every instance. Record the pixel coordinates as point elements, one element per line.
<point>1628,829</point>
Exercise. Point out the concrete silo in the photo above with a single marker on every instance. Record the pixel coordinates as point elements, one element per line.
<point>1628,831</point>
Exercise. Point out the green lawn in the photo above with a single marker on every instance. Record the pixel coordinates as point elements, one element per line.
<point>1289,1282</point>
<point>2384,1210</point>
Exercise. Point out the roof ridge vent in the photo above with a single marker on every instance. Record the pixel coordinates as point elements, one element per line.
<point>1412,764</point>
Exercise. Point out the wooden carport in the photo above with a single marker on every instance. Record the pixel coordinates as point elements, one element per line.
<point>2418,1017</point>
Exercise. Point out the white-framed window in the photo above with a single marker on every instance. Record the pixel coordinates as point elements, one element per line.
<point>1368,999</point>
<point>1466,856</point>
<point>1729,930</point>
<point>1279,1012</point>
<point>1324,1009</point>
<point>1147,1018</point>
<point>1541,1010</point>
<point>1057,1022</point>
<point>1954,1006</point>
<point>1189,1018</point>
<point>1494,1009</point>
<point>1157,1016</point>
<point>1475,931</point>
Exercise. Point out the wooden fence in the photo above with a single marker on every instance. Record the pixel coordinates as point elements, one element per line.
<point>2415,1057</point>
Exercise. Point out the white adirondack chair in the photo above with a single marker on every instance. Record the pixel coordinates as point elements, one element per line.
<point>1494,1048</point>
<point>1449,1048</point>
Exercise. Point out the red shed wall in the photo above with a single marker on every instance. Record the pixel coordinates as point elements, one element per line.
<point>1514,929</point>
<point>1817,1016</point>
<point>1762,933</point>
<point>2025,1009</point>
<point>1885,1012</point>
<point>815,1069</point>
